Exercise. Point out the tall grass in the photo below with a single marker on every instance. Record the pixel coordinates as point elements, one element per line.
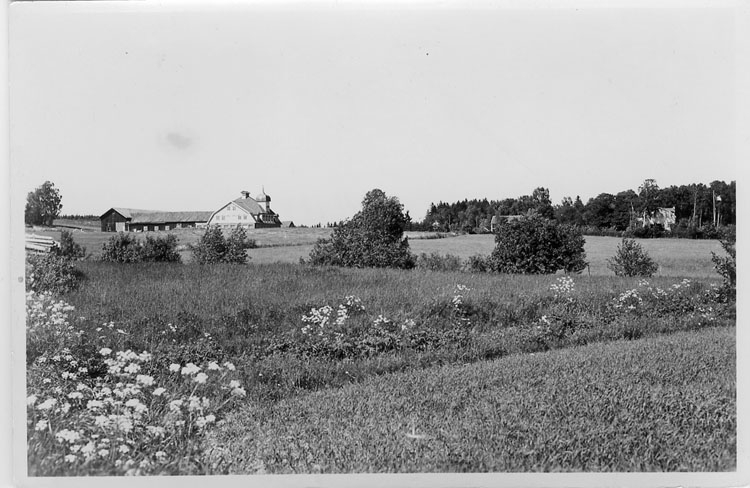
<point>137,291</point>
<point>291,329</point>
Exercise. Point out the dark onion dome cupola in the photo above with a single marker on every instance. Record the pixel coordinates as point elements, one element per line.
<point>263,197</point>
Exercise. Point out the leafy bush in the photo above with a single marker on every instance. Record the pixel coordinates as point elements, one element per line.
<point>160,249</point>
<point>726,266</point>
<point>437,262</point>
<point>372,238</point>
<point>122,248</point>
<point>631,260</point>
<point>646,232</point>
<point>126,248</point>
<point>237,246</point>
<point>68,248</point>
<point>214,248</point>
<point>535,245</point>
<point>51,273</point>
<point>476,264</point>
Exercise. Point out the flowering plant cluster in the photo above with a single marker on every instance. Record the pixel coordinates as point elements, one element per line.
<point>48,328</point>
<point>133,417</point>
<point>629,300</point>
<point>682,299</point>
<point>317,321</point>
<point>330,331</point>
<point>563,287</point>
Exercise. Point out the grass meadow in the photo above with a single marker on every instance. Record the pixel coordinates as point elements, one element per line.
<point>277,367</point>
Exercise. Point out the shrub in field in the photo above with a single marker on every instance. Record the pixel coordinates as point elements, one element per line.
<point>726,266</point>
<point>476,264</point>
<point>160,249</point>
<point>237,246</point>
<point>646,232</point>
<point>534,245</point>
<point>437,262</point>
<point>372,238</point>
<point>631,260</point>
<point>126,248</point>
<point>214,248</point>
<point>51,273</point>
<point>68,248</point>
<point>122,248</point>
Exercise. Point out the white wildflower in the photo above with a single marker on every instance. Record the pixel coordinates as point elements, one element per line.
<point>145,379</point>
<point>190,368</point>
<point>47,404</point>
<point>68,435</point>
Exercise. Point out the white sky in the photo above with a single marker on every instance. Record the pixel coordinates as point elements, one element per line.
<point>163,106</point>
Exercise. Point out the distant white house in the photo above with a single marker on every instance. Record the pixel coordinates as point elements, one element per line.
<point>247,212</point>
<point>497,220</point>
<point>665,216</point>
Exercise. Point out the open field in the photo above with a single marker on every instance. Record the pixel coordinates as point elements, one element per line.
<point>324,369</point>
<point>676,257</point>
<point>290,330</point>
<point>94,239</point>
<point>661,404</point>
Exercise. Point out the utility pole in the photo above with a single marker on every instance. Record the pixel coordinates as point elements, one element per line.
<point>713,201</point>
<point>695,205</point>
<point>718,210</point>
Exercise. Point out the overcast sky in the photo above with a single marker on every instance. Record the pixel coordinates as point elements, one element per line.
<point>170,107</point>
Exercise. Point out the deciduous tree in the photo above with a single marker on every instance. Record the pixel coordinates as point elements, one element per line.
<point>43,205</point>
<point>372,238</point>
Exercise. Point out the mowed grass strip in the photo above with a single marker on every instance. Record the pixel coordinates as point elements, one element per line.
<point>660,404</point>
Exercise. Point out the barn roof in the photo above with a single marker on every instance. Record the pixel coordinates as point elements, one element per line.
<point>140,216</point>
<point>153,217</point>
<point>249,205</point>
<point>127,212</point>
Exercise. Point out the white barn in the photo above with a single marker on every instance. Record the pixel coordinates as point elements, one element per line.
<point>247,212</point>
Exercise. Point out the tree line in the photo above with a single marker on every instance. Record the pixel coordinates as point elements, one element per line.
<point>697,207</point>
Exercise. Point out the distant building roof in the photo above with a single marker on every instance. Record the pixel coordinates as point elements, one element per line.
<point>140,216</point>
<point>250,205</point>
<point>128,212</point>
<point>161,217</point>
